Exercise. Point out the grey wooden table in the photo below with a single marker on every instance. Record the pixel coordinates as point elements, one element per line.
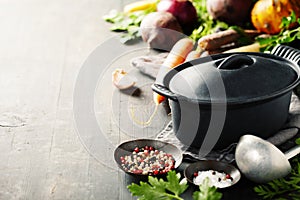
<point>43,47</point>
<point>60,116</point>
<point>49,148</point>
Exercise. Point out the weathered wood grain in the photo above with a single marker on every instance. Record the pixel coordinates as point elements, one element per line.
<point>43,46</point>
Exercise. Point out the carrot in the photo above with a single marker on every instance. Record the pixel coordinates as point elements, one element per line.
<point>223,49</point>
<point>179,52</point>
<point>193,55</point>
<point>158,98</point>
<point>217,40</point>
<point>176,56</point>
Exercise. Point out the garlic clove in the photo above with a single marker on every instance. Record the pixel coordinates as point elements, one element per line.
<point>122,80</point>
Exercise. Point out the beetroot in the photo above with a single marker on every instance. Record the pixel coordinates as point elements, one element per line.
<point>183,10</point>
<point>160,30</point>
<point>233,12</point>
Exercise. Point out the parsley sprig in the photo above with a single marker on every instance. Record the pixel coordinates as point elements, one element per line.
<point>160,189</point>
<point>172,188</point>
<point>283,188</point>
<point>207,24</point>
<point>285,36</point>
<point>127,23</point>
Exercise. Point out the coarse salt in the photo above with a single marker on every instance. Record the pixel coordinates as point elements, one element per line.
<point>216,178</point>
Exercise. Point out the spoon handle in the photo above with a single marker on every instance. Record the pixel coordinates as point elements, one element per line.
<point>292,152</point>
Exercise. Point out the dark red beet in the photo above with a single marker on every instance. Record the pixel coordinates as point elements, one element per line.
<point>183,11</point>
<point>233,12</point>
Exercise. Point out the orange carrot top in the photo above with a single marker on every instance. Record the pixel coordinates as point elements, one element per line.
<point>176,56</point>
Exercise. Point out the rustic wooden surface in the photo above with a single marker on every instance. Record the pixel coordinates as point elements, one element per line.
<point>44,153</point>
<point>43,47</point>
<point>45,150</point>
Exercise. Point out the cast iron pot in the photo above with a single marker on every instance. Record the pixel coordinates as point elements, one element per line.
<point>217,99</point>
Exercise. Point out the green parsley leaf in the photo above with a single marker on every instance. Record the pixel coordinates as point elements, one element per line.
<point>146,191</point>
<point>174,185</point>
<point>160,189</point>
<point>114,16</point>
<point>287,21</point>
<point>206,192</point>
<point>158,184</point>
<point>171,189</point>
<point>127,24</point>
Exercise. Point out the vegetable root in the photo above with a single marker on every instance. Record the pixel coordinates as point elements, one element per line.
<point>193,55</point>
<point>176,56</point>
<point>232,12</point>
<point>266,15</point>
<point>160,30</point>
<point>216,40</point>
<point>179,52</point>
<point>255,47</point>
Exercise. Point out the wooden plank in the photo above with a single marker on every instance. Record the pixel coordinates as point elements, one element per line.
<point>43,44</point>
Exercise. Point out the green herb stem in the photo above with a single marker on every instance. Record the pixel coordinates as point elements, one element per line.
<point>174,196</point>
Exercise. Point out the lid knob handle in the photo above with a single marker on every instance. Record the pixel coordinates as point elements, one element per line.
<point>236,61</point>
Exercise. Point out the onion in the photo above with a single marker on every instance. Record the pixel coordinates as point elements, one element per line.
<point>183,10</point>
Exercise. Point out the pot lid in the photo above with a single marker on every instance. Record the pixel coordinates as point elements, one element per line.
<point>232,78</point>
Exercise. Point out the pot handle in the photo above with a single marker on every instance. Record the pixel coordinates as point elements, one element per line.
<point>164,91</point>
<point>236,61</point>
<point>287,52</point>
